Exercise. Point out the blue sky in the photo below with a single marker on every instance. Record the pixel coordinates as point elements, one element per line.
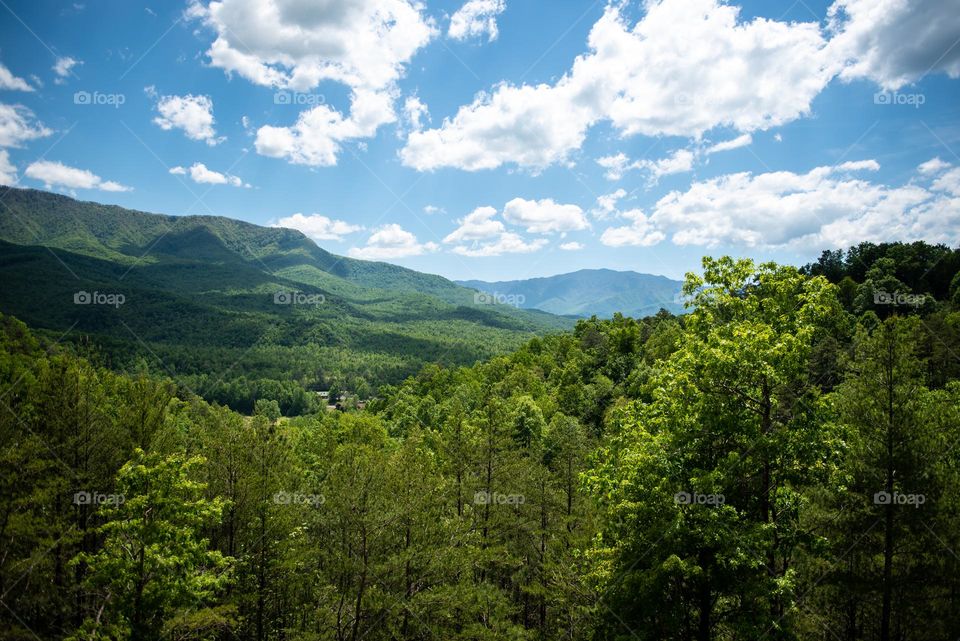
<point>500,139</point>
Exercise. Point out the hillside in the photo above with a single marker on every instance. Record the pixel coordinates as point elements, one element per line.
<point>198,300</point>
<point>589,292</point>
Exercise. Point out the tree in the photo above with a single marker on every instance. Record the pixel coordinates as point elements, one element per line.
<point>154,565</point>
<point>706,483</point>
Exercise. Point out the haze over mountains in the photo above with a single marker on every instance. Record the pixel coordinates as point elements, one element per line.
<point>588,292</point>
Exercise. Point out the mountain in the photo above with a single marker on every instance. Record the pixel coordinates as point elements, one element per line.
<point>588,292</point>
<point>211,300</point>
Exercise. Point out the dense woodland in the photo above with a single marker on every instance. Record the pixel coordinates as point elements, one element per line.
<point>782,462</point>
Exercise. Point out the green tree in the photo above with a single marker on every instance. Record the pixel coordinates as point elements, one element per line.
<point>154,564</point>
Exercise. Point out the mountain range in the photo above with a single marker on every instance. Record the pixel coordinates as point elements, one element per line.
<point>212,296</point>
<point>588,292</point>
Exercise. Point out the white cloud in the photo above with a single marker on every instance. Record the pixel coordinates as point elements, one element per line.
<point>17,126</point>
<point>433,209</point>
<point>415,113</point>
<point>12,82</point>
<point>8,172</point>
<point>895,42</point>
<point>63,67</point>
<point>639,233</point>
<point>477,225</point>
<point>391,241</point>
<point>475,19</point>
<point>296,44</point>
<point>318,134</point>
<point>607,204</point>
<point>932,166</point>
<point>572,246</point>
<point>318,227</point>
<point>859,165</point>
<point>825,207</point>
<point>949,182</point>
<point>679,161</point>
<point>56,174</point>
<point>740,141</point>
<point>544,216</point>
<point>199,173</point>
<point>747,75</point>
<point>505,243</point>
<point>192,114</point>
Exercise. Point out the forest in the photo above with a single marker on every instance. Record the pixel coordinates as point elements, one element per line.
<point>781,462</point>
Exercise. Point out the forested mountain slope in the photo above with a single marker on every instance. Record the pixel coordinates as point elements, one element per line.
<point>769,465</point>
<point>234,310</point>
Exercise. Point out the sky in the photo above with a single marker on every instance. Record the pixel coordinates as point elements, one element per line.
<point>500,139</point>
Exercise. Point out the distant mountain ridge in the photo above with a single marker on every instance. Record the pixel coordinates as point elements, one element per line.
<point>199,297</point>
<point>588,292</point>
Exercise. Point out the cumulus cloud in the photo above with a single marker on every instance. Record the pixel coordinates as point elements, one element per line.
<point>639,233</point>
<point>825,207</point>
<point>607,204</point>
<point>391,241</point>
<point>932,166</point>
<point>63,67</point>
<point>12,82</point>
<point>742,140</point>
<point>477,225</point>
<point>192,114</point>
<point>56,174</point>
<point>296,44</point>
<point>895,42</point>
<point>571,246</point>
<point>479,234</point>
<point>725,71</point>
<point>317,136</point>
<point>199,173</point>
<point>318,227</point>
<point>748,75</point>
<point>544,216</point>
<point>17,126</point>
<point>8,172</point>
<point>505,243</point>
<point>475,19</point>
<point>415,112</point>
